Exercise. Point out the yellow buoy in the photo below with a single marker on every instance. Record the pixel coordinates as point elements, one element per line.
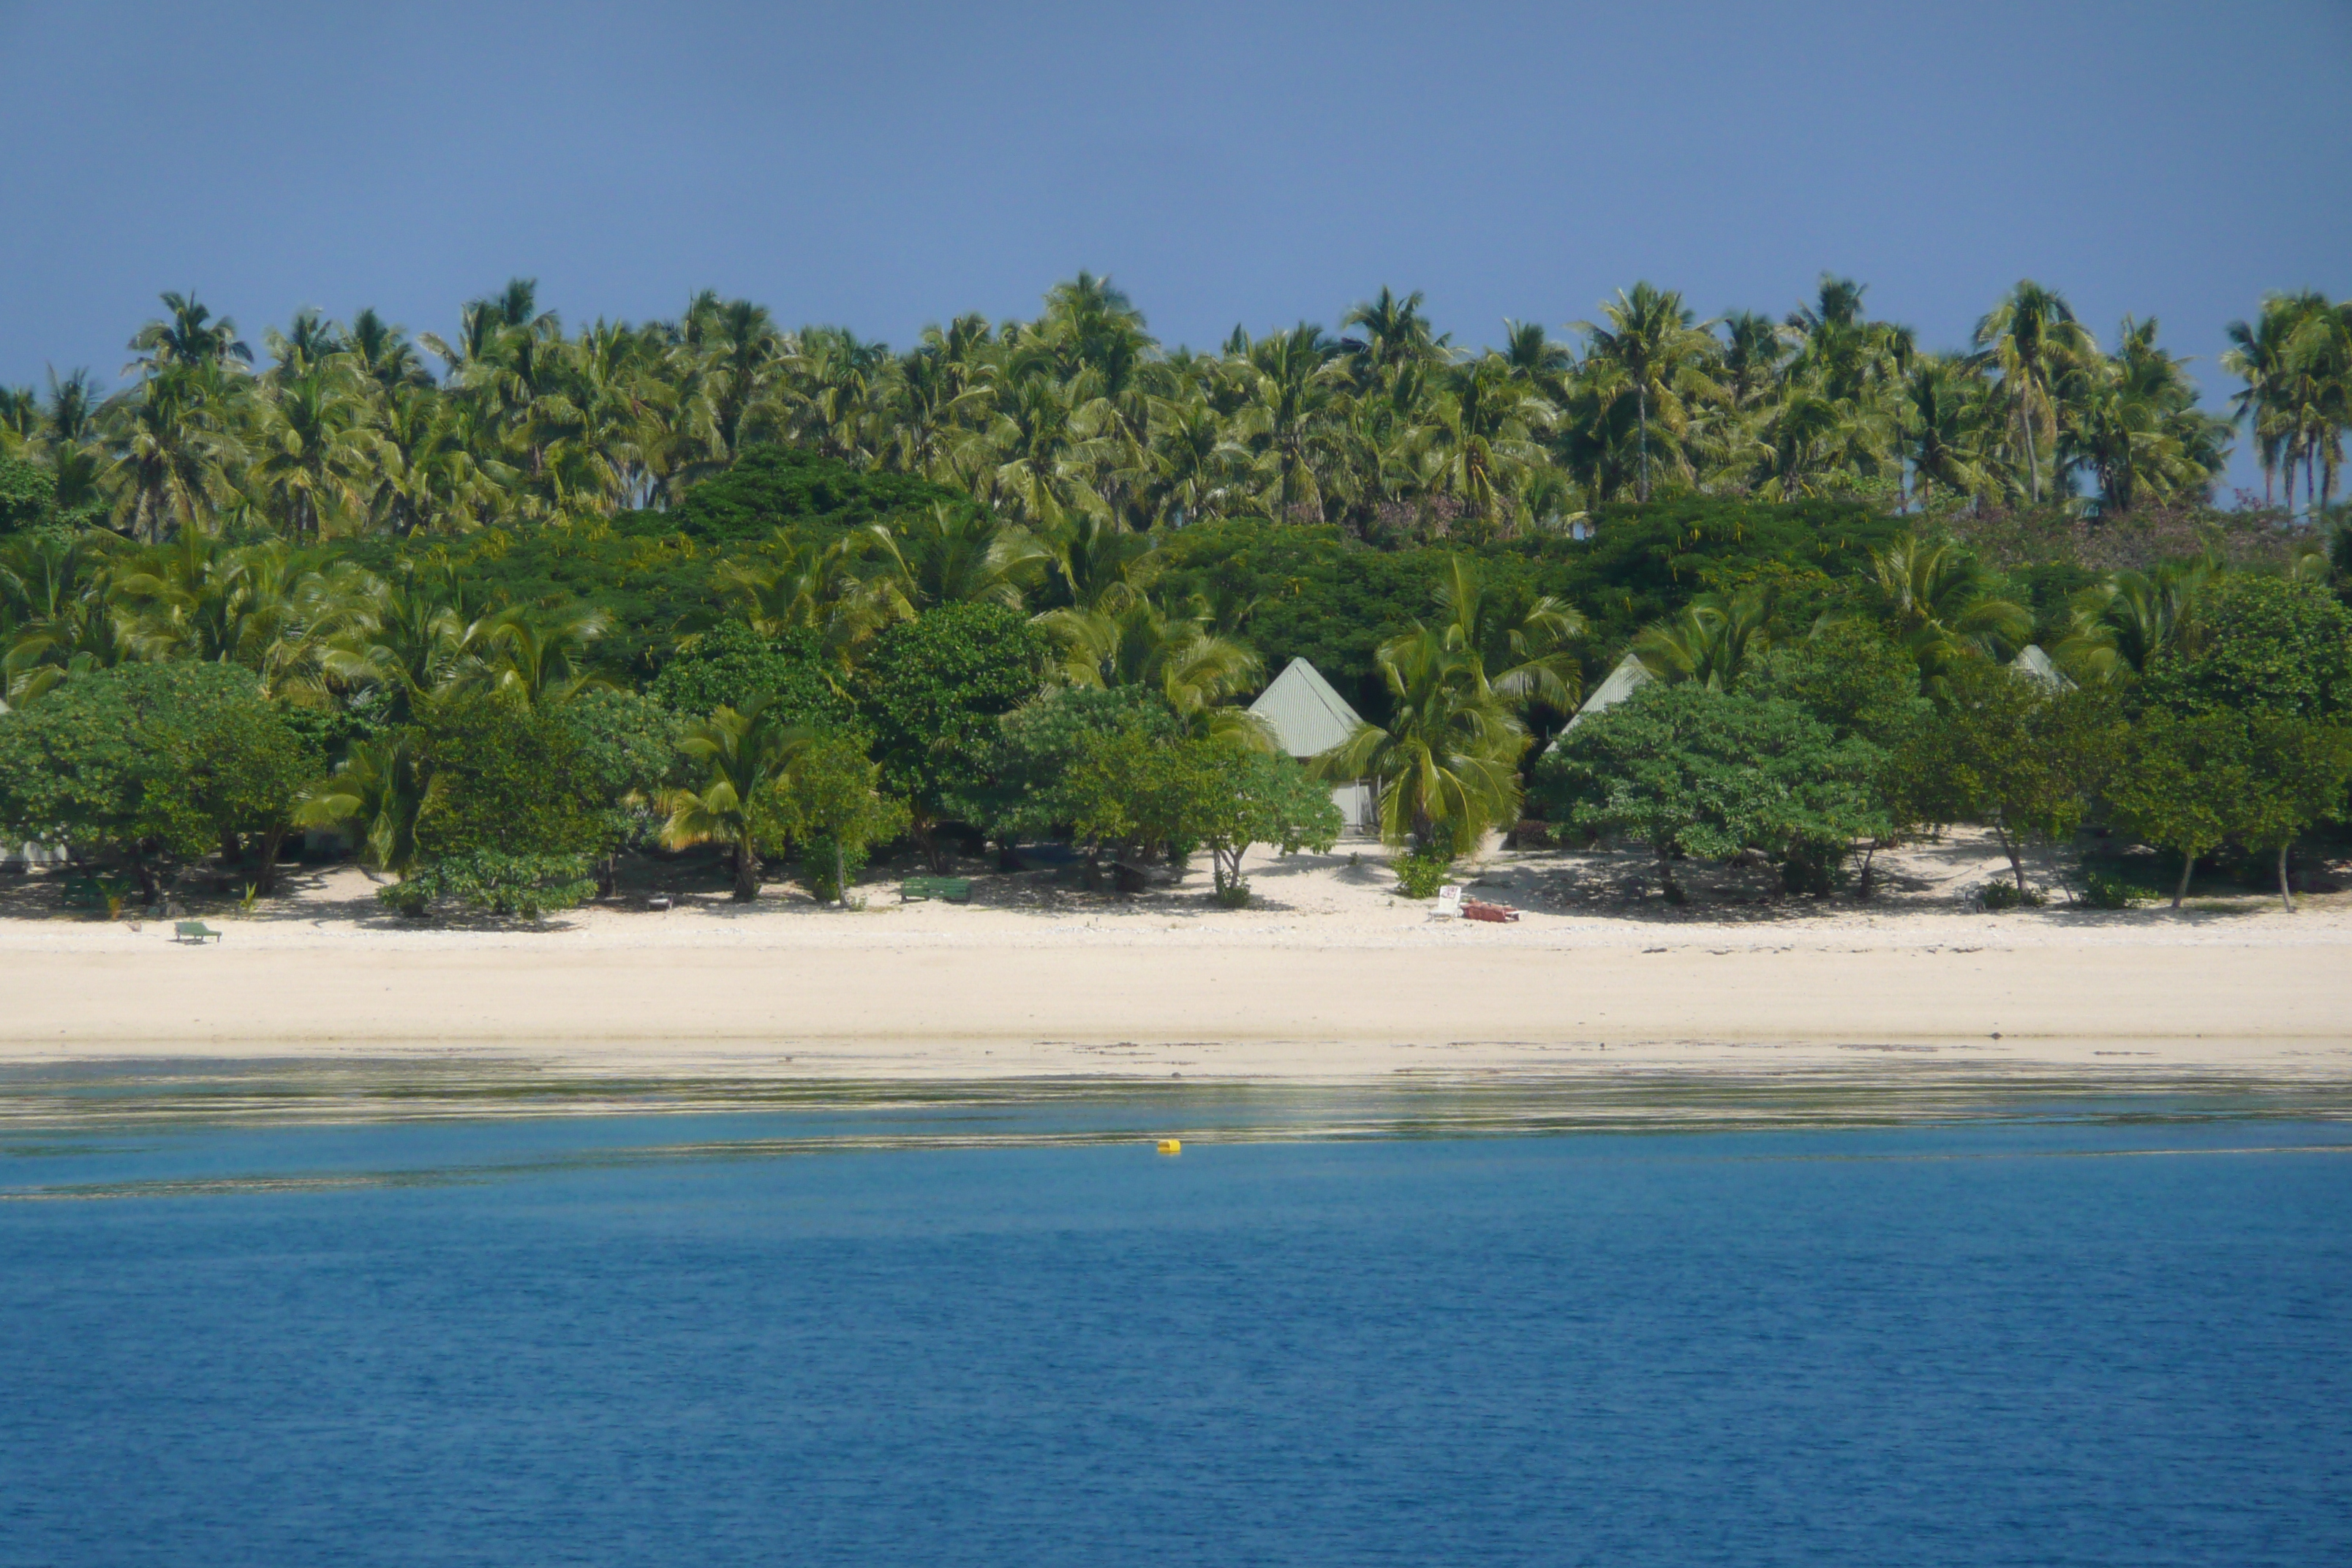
<point>1172,1145</point>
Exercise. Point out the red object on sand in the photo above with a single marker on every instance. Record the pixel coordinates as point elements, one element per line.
<point>1475,910</point>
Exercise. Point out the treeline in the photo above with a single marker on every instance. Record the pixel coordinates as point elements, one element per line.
<point>699,583</point>
<point>808,659</point>
<point>1386,430</point>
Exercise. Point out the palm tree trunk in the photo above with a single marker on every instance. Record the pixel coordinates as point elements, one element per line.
<point>2286,893</point>
<point>2033,455</point>
<point>1641,403</point>
<point>747,871</point>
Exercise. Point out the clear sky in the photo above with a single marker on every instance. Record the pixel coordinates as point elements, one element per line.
<point>883,165</point>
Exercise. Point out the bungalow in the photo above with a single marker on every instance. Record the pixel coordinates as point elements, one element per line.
<point>1308,718</point>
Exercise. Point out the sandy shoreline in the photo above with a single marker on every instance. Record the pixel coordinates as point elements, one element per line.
<point>1334,979</point>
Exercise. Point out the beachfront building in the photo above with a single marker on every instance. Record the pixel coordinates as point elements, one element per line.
<point>1629,676</point>
<point>1308,718</point>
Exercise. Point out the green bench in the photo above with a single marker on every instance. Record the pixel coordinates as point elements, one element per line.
<point>193,931</point>
<point>949,890</point>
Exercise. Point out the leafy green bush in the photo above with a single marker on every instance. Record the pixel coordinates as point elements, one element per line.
<point>932,694</point>
<point>1233,896</point>
<point>830,866</point>
<point>149,762</point>
<point>504,780</point>
<point>2258,645</point>
<point>1999,895</point>
<point>1420,876</point>
<point>525,885</point>
<point>771,487</point>
<point>2105,890</point>
<point>1693,771</point>
<point>732,666</point>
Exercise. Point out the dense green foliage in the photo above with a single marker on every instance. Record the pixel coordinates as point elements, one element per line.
<point>1022,778</point>
<point>1693,771</point>
<point>155,766</point>
<point>773,489</point>
<point>2258,645</point>
<point>932,692</point>
<point>713,581</point>
<point>2024,760</point>
<point>1386,429</point>
<point>734,666</point>
<point>832,803</point>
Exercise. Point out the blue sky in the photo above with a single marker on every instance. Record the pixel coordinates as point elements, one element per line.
<point>886,165</point>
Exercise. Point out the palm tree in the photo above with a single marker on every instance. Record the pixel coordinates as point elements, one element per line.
<point>2033,338</point>
<point>2261,355</point>
<point>1388,334</point>
<point>949,556</point>
<point>1126,639</point>
<point>1447,758</point>
<point>1290,418</point>
<point>2320,355</point>
<point>172,450</point>
<point>191,338</point>
<point>1480,444</point>
<point>1935,431</point>
<point>378,792</point>
<point>1713,641</point>
<point>403,638</point>
<point>1942,602</point>
<point>539,653</point>
<point>1519,643</point>
<point>2124,622</point>
<point>744,755</point>
<point>60,612</point>
<point>311,453</point>
<point>1658,345</point>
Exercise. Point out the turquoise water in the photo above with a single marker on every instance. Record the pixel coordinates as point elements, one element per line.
<point>1342,1327</point>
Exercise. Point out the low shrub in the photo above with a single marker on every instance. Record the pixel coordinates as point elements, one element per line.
<point>2004,895</point>
<point>1420,876</point>
<point>525,885</point>
<point>2105,890</point>
<point>1233,896</point>
<point>818,863</point>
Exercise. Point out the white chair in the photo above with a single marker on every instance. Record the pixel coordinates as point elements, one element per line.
<point>1449,900</point>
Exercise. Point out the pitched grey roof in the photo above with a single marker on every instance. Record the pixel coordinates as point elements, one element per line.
<point>1307,717</point>
<point>1629,677</point>
<point>2034,665</point>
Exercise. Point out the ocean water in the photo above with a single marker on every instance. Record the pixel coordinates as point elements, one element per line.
<point>991,1329</point>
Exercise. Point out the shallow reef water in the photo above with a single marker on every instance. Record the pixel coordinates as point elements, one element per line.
<point>366,1314</point>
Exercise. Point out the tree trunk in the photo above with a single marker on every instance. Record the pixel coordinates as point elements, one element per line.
<point>2015,852</point>
<point>922,829</point>
<point>2180,892</point>
<point>747,873</point>
<point>148,892</point>
<point>2286,893</point>
<point>1867,886</point>
<point>1641,403</point>
<point>1667,883</point>
<point>265,881</point>
<point>840,874</point>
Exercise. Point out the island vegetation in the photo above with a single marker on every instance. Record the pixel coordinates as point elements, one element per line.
<point>504,607</point>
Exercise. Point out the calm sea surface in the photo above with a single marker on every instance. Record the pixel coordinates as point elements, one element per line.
<point>1334,1329</point>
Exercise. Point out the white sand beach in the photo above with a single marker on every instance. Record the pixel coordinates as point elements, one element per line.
<point>1330,976</point>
